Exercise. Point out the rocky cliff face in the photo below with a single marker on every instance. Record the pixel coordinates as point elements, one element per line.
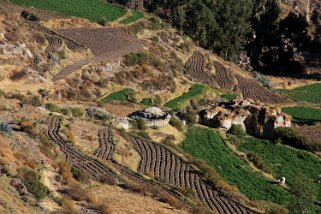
<point>255,118</point>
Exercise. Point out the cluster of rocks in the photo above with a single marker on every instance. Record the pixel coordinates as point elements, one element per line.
<point>19,49</point>
<point>153,117</point>
<point>255,118</point>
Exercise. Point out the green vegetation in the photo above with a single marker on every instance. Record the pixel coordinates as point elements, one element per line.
<point>32,181</point>
<point>304,115</point>
<point>228,97</point>
<point>237,130</point>
<point>175,122</point>
<point>195,91</point>
<point>94,10</point>
<point>133,18</point>
<point>5,128</point>
<point>285,161</point>
<point>119,96</point>
<point>292,137</point>
<point>206,144</point>
<point>147,101</point>
<point>68,111</point>
<point>309,93</point>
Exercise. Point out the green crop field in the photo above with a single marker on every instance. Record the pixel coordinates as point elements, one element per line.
<point>133,18</point>
<point>309,93</point>
<point>285,161</point>
<point>93,10</point>
<point>118,96</point>
<point>206,144</point>
<point>303,115</point>
<point>195,91</point>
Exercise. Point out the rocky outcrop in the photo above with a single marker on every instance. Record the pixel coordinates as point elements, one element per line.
<point>153,117</point>
<point>255,118</point>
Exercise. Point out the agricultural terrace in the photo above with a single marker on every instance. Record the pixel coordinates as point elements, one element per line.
<point>303,115</point>
<point>308,93</point>
<point>118,96</point>
<point>194,92</point>
<point>285,161</point>
<point>136,15</point>
<point>94,10</point>
<point>205,144</point>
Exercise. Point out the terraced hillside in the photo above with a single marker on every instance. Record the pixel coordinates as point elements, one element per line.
<point>251,89</point>
<point>105,43</point>
<point>163,165</point>
<point>228,80</point>
<point>197,70</point>
<point>106,144</point>
<point>91,167</point>
<point>223,77</point>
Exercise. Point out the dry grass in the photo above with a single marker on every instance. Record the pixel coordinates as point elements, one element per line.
<point>64,171</point>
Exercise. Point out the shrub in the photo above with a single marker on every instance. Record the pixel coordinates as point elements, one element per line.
<point>33,183</point>
<point>237,129</point>
<point>258,162</point>
<point>5,128</point>
<point>131,59</point>
<point>102,21</point>
<point>66,111</point>
<point>175,122</point>
<point>53,58</point>
<point>52,107</point>
<point>29,16</point>
<point>18,75</point>
<point>78,112</point>
<point>65,172</point>
<point>78,193</point>
<point>169,140</point>
<point>79,175</point>
<point>35,100</point>
<point>139,124</point>
<point>143,134</point>
<point>291,137</point>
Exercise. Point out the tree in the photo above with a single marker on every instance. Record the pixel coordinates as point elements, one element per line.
<point>275,43</point>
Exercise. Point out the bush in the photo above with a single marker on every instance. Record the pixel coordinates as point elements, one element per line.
<point>78,193</point>
<point>52,107</point>
<point>131,59</point>
<point>258,162</point>
<point>102,21</point>
<point>65,172</point>
<point>29,16</point>
<point>291,137</point>
<point>79,175</point>
<point>175,122</point>
<point>33,183</point>
<point>78,112</point>
<point>143,134</point>
<point>35,100</point>
<point>237,129</point>
<point>139,124</point>
<point>169,140</point>
<point>5,128</point>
